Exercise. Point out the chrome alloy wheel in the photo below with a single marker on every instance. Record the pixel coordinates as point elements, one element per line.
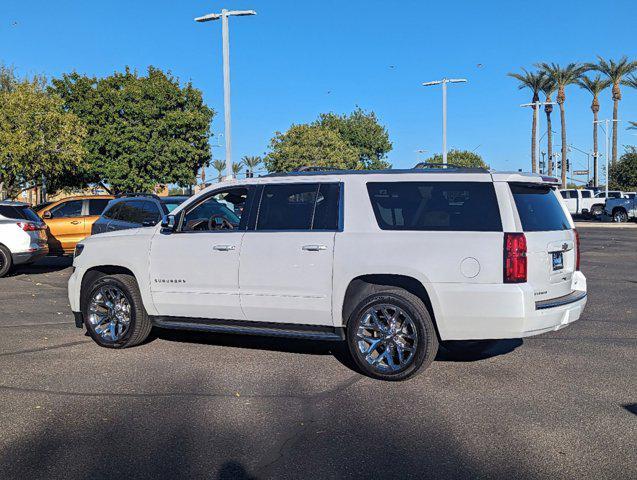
<point>109,313</point>
<point>387,338</point>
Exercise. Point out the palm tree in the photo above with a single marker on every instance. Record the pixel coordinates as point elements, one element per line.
<point>219,166</point>
<point>236,169</point>
<point>595,86</point>
<point>615,71</point>
<point>533,81</point>
<point>548,88</point>
<point>562,76</point>
<point>251,163</point>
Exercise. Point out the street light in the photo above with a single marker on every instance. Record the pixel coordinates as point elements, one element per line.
<point>226,72</point>
<point>606,122</point>
<point>444,83</point>
<point>536,120</point>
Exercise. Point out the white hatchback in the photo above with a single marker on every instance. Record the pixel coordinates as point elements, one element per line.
<point>392,262</point>
<point>22,236</point>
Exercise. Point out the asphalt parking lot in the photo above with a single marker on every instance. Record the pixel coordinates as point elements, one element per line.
<point>561,405</point>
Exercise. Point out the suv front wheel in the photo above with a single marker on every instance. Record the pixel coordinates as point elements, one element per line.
<point>391,336</point>
<point>113,312</point>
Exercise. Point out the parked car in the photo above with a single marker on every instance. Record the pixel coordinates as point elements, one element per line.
<point>598,207</point>
<point>22,236</point>
<point>579,201</point>
<point>392,262</point>
<point>621,209</point>
<point>134,211</point>
<point>69,220</point>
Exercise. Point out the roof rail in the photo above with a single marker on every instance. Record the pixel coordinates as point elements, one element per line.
<point>448,166</point>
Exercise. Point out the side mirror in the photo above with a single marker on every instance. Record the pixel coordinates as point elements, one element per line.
<point>169,223</point>
<point>47,215</point>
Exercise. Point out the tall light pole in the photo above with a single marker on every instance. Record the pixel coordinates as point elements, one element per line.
<point>536,119</point>
<point>226,73</point>
<point>606,122</point>
<point>444,83</point>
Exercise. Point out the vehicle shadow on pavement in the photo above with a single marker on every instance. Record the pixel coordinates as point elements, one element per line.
<point>45,265</point>
<point>499,347</point>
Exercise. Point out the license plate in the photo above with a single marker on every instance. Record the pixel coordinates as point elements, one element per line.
<point>558,261</point>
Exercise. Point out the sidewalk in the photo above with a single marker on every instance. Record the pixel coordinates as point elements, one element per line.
<point>595,224</point>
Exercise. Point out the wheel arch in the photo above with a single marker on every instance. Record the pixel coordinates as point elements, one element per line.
<point>93,273</point>
<point>364,285</point>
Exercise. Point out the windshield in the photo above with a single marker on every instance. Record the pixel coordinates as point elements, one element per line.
<point>539,208</point>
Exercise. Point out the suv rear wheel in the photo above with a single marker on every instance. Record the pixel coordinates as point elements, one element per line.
<point>6,262</point>
<point>113,312</point>
<point>391,336</point>
<point>620,215</point>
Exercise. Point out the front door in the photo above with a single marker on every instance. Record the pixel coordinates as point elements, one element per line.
<point>65,226</point>
<point>194,271</point>
<point>286,260</point>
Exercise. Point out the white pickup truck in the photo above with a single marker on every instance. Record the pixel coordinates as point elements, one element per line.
<point>586,202</point>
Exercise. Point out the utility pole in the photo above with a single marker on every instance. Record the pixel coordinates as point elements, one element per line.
<point>226,74</point>
<point>444,83</point>
<point>606,122</point>
<point>536,119</point>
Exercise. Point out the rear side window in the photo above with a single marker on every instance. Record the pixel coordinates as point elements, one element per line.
<point>436,206</point>
<point>97,205</point>
<point>19,213</point>
<point>586,194</point>
<point>113,211</point>
<point>139,211</point>
<point>539,208</point>
<point>299,206</point>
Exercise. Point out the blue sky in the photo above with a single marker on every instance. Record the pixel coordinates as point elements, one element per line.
<point>296,59</point>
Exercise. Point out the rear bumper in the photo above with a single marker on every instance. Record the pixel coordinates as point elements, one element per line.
<point>474,312</point>
<point>30,256</point>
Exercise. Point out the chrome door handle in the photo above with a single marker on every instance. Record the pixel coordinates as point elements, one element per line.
<point>223,248</point>
<point>313,248</point>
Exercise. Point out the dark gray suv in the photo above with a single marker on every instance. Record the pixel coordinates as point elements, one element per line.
<point>134,211</point>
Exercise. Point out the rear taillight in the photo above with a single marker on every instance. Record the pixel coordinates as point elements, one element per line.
<point>577,255</point>
<point>514,258</point>
<point>30,227</point>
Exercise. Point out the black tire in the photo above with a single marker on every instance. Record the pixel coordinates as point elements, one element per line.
<point>620,216</point>
<point>597,210</point>
<point>466,349</point>
<point>427,340</point>
<point>139,326</point>
<point>6,261</point>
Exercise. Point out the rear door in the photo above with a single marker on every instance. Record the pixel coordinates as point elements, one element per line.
<point>285,272</point>
<point>550,239</point>
<point>94,208</point>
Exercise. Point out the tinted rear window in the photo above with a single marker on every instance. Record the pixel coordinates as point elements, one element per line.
<point>19,213</point>
<point>539,208</point>
<point>97,205</point>
<point>439,206</point>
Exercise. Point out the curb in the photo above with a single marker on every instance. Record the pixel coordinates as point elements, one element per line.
<point>605,225</point>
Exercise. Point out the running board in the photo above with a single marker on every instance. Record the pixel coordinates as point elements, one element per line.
<point>270,329</point>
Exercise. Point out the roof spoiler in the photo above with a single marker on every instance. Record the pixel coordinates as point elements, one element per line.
<point>551,180</point>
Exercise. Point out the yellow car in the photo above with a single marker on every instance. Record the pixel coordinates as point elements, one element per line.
<point>69,221</point>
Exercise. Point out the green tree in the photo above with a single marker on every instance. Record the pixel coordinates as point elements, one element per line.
<point>459,158</point>
<point>142,130</point>
<point>594,86</point>
<point>562,77</point>
<point>534,82</point>
<point>251,162</point>
<point>623,174</point>
<point>37,136</point>
<point>362,131</point>
<point>310,145</point>
<point>219,166</point>
<point>615,71</point>
<point>236,169</point>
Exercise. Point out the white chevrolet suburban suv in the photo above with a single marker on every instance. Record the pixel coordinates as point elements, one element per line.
<point>392,262</point>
